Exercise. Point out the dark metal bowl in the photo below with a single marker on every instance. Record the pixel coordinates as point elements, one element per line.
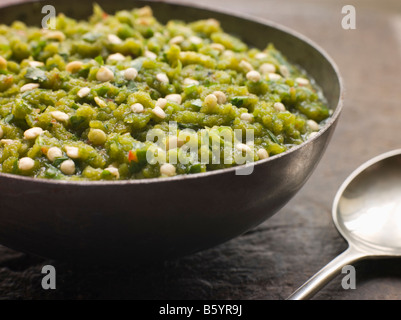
<point>143,220</point>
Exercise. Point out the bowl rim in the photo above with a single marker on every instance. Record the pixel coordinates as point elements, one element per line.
<point>183,177</point>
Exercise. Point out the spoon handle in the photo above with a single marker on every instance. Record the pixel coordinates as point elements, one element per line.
<point>322,277</point>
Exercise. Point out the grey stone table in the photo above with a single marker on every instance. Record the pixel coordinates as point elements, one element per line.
<point>272,260</point>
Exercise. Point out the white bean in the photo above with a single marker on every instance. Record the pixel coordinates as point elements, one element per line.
<point>116,57</point>
<point>55,35</point>
<point>313,125</point>
<point>189,82</point>
<point>83,92</point>
<point>72,152</point>
<point>174,97</point>
<point>130,74</point>
<point>284,71</point>
<point>74,66</point>
<point>162,77</point>
<point>68,167</point>
<point>195,40</point>
<point>113,39</point>
<point>217,46</point>
<point>26,164</point>
<point>211,101</point>
<point>53,153</point>
<point>261,55</point>
<point>167,169</point>
<point>161,103</point>
<point>114,171</point>
<point>59,115</point>
<point>302,81</point>
<point>104,74</point>
<point>150,55</point>
<point>245,65</point>
<point>33,133</point>
<point>243,147</point>
<point>221,97</point>
<point>253,76</point>
<point>29,86</point>
<point>7,141</point>
<point>137,108</point>
<point>267,68</point>
<point>176,40</point>
<point>279,106</point>
<point>274,76</point>
<point>313,134</point>
<point>246,117</point>
<point>35,64</point>
<point>262,153</point>
<point>159,112</point>
<point>100,102</point>
<point>174,142</point>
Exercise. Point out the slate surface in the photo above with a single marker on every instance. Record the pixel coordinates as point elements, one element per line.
<point>272,260</point>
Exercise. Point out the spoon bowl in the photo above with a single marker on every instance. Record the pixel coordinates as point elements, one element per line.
<point>367,209</point>
<point>367,213</point>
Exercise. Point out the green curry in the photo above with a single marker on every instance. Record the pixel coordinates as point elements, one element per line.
<point>79,102</point>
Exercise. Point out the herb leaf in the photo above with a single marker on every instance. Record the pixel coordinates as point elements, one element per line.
<point>239,100</point>
<point>272,136</point>
<point>36,74</point>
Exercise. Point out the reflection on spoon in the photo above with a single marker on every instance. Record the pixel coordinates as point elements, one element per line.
<point>367,213</point>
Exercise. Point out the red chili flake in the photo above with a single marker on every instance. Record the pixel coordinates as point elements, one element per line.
<point>132,156</point>
<point>44,150</point>
<point>105,15</point>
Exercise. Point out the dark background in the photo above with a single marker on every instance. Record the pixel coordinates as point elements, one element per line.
<point>274,259</point>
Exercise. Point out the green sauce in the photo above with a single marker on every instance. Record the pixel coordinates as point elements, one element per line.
<point>96,93</point>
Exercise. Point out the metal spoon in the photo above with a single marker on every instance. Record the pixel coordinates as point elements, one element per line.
<point>367,213</point>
